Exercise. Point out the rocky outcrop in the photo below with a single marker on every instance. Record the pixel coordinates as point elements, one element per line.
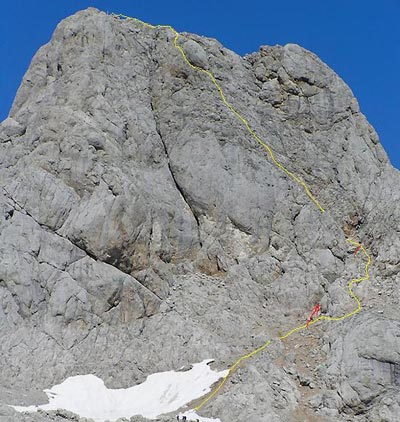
<point>142,228</point>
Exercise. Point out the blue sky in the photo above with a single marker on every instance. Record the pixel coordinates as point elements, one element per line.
<point>359,39</point>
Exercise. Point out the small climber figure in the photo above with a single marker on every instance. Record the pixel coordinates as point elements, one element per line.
<point>357,249</point>
<point>314,312</point>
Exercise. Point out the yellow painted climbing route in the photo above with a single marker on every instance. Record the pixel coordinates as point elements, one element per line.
<point>300,327</point>
<point>307,190</point>
<point>230,107</point>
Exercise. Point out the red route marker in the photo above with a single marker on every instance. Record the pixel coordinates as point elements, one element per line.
<point>314,312</point>
<point>357,249</point>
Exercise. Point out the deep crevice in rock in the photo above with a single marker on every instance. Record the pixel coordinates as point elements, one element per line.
<point>177,185</point>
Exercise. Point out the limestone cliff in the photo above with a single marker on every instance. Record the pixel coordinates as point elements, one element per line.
<point>142,228</point>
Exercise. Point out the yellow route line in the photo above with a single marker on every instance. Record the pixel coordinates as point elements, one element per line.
<point>300,327</point>
<point>230,107</point>
<point>295,178</point>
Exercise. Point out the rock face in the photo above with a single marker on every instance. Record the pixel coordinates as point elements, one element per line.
<point>143,229</point>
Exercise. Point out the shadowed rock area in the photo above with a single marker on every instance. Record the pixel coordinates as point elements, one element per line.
<point>143,229</point>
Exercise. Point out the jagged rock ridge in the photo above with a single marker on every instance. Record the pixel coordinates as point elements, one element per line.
<point>143,229</point>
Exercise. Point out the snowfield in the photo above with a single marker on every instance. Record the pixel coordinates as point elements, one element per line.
<point>163,392</point>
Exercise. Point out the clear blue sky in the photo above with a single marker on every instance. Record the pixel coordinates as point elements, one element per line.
<point>359,39</point>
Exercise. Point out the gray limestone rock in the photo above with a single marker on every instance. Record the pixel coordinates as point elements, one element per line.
<point>142,228</point>
<point>195,54</point>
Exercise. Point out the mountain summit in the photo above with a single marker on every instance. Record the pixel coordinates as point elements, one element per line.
<point>144,229</point>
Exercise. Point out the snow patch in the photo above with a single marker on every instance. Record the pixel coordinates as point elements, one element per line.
<point>191,415</point>
<point>162,392</point>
